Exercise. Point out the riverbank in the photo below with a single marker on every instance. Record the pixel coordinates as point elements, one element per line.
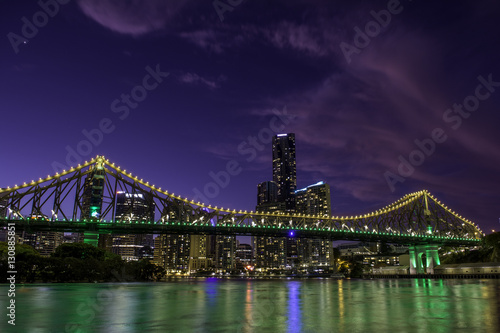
<point>432,276</point>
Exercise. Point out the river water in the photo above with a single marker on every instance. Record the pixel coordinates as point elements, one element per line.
<point>226,305</point>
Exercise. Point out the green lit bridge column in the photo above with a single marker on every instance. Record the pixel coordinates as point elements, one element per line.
<point>413,260</point>
<point>431,258</point>
<point>91,237</point>
<point>416,265</point>
<point>432,255</point>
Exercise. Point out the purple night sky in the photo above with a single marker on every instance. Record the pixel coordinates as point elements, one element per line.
<point>357,94</point>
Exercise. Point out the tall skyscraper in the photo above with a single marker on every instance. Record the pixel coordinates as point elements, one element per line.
<point>277,196</point>
<point>285,169</point>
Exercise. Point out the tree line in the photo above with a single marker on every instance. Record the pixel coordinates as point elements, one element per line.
<point>76,262</point>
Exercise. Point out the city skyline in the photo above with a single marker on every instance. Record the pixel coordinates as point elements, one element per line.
<point>215,92</point>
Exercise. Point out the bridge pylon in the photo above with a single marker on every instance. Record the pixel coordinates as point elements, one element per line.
<point>417,265</point>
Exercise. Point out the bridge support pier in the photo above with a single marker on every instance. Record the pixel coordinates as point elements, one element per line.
<point>91,237</point>
<point>431,258</point>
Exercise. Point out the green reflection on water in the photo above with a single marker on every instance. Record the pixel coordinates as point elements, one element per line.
<point>217,305</point>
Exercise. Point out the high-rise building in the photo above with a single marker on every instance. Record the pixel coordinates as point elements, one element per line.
<point>244,256</point>
<point>90,199</point>
<point>267,192</point>
<point>285,169</point>
<point>270,252</point>
<point>225,250</point>
<point>93,191</point>
<point>3,206</point>
<point>134,207</point>
<point>200,256</point>
<point>130,207</point>
<point>267,198</point>
<point>3,214</point>
<point>45,242</point>
<point>314,200</point>
<point>277,196</point>
<point>172,253</point>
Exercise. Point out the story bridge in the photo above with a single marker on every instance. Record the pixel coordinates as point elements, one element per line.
<point>84,199</point>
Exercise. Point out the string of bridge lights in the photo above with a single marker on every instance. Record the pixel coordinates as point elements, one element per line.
<point>101,160</point>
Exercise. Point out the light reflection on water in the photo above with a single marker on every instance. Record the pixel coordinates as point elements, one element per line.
<point>218,305</point>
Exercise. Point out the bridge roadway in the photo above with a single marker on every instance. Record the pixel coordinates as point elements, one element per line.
<point>141,227</point>
<point>85,199</point>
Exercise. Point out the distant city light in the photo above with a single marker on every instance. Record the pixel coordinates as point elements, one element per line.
<point>291,233</point>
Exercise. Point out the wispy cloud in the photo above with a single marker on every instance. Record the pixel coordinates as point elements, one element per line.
<point>195,79</point>
<point>205,39</point>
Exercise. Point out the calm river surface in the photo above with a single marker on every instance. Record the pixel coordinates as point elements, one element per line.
<point>222,305</point>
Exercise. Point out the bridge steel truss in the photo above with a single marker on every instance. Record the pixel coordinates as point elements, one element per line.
<point>84,199</point>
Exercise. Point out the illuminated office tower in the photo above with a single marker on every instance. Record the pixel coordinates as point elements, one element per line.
<point>285,176</point>
<point>284,169</point>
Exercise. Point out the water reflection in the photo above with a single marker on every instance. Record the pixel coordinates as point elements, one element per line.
<point>294,323</point>
<point>218,305</point>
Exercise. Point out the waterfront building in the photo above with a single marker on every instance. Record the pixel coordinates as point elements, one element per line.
<point>270,253</point>
<point>45,242</point>
<point>172,253</point>
<point>225,251</point>
<point>314,199</point>
<point>200,253</point>
<point>244,256</point>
